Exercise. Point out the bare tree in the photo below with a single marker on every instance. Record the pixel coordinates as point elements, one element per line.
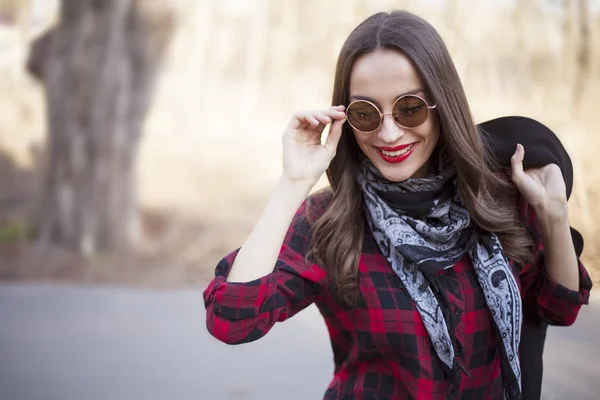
<point>98,66</point>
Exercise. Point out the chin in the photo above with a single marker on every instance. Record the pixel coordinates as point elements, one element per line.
<point>395,174</point>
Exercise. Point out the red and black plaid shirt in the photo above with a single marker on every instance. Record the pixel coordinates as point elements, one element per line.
<point>381,348</point>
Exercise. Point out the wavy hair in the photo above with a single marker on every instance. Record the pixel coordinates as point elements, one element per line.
<point>486,190</point>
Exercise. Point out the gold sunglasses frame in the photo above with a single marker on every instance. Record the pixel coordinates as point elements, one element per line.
<point>381,115</point>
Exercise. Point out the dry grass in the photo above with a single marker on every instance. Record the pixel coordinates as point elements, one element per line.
<point>237,70</point>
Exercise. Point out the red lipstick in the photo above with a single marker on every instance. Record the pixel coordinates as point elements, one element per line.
<point>407,150</point>
<point>397,148</point>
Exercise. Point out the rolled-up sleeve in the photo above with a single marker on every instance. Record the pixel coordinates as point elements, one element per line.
<point>542,294</point>
<point>241,312</point>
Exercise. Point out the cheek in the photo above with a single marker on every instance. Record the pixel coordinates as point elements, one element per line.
<point>435,129</point>
<point>435,137</point>
<point>432,134</point>
<point>361,140</point>
<point>430,138</point>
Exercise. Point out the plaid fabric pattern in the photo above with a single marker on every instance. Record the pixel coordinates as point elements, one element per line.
<point>380,346</point>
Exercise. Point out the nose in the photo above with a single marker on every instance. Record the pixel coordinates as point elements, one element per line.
<point>389,131</point>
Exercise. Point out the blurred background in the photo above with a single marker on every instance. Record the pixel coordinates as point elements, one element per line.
<point>156,127</point>
<point>140,140</point>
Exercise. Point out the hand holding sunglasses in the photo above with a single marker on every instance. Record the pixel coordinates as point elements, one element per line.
<point>305,158</point>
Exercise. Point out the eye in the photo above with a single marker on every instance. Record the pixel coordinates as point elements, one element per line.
<point>410,110</point>
<point>364,114</point>
<point>409,107</point>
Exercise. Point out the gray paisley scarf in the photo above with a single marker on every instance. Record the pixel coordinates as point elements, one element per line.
<point>421,224</point>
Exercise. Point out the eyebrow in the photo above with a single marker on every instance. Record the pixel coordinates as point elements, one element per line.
<point>358,97</point>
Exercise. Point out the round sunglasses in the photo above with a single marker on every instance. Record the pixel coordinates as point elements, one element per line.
<point>409,111</point>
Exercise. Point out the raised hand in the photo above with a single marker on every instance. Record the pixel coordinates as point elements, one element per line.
<point>305,159</point>
<point>544,188</point>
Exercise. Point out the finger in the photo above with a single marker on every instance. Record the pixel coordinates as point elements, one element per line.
<point>324,119</point>
<point>313,121</point>
<point>335,113</point>
<point>516,162</point>
<point>340,108</point>
<point>296,121</point>
<point>335,133</point>
<point>302,120</point>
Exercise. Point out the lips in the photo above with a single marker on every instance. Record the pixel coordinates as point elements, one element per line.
<point>397,148</point>
<point>396,154</point>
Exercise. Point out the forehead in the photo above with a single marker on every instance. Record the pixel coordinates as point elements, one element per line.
<point>383,75</point>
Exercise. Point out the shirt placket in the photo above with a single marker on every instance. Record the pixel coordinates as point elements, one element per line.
<point>455,307</point>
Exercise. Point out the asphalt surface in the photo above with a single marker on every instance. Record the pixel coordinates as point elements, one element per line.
<point>94,343</point>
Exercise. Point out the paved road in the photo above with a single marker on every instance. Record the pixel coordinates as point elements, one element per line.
<point>91,343</point>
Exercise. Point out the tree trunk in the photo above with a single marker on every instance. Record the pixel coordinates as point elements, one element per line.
<point>98,66</point>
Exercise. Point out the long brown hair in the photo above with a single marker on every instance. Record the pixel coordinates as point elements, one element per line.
<point>486,191</point>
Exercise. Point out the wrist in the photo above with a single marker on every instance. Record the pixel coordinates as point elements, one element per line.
<point>553,213</point>
<point>295,187</point>
<point>554,222</point>
<point>292,192</point>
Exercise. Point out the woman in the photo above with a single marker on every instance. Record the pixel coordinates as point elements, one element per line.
<point>417,257</point>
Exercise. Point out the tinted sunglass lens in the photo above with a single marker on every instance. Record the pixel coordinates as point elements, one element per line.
<point>363,116</point>
<point>410,111</point>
